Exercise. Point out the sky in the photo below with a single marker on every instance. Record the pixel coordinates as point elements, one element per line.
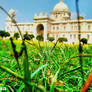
<point>25,9</point>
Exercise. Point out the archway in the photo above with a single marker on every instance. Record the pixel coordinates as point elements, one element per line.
<point>40,29</point>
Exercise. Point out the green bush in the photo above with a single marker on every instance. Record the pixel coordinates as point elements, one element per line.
<point>31,36</point>
<point>62,39</point>
<point>16,35</point>
<point>28,36</point>
<point>39,38</point>
<point>7,34</point>
<point>51,39</point>
<point>4,34</point>
<point>84,40</point>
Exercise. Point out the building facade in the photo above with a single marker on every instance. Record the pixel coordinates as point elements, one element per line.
<point>58,24</point>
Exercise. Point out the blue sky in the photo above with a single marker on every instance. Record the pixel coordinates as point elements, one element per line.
<point>25,9</point>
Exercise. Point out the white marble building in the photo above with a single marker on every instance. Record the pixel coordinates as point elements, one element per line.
<point>58,24</point>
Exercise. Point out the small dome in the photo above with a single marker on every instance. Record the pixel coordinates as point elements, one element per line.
<point>61,6</point>
<point>12,12</point>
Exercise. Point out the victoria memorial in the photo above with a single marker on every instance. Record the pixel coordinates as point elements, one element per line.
<point>57,24</point>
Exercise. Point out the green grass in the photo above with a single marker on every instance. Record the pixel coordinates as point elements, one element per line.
<point>47,68</point>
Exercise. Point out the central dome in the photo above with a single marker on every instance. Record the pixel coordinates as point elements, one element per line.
<point>61,6</point>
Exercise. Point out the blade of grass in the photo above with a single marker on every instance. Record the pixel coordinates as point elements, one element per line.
<point>54,46</point>
<point>33,74</point>
<point>40,87</point>
<point>26,69</point>
<point>52,84</point>
<point>21,87</point>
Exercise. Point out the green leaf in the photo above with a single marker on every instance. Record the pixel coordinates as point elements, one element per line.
<point>10,88</point>
<point>52,84</point>
<point>21,87</point>
<point>33,74</point>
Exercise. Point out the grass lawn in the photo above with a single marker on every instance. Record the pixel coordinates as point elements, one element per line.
<point>49,68</point>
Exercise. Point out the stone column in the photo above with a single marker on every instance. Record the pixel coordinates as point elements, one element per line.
<point>45,32</point>
<point>35,31</point>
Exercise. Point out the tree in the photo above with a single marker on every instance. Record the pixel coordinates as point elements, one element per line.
<point>16,35</point>
<point>62,39</point>
<point>39,38</point>
<point>2,33</point>
<point>51,39</point>
<point>31,36</point>
<point>7,34</point>
<point>84,40</point>
<point>26,36</point>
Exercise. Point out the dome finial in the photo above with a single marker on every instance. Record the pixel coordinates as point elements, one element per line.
<point>61,0</point>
